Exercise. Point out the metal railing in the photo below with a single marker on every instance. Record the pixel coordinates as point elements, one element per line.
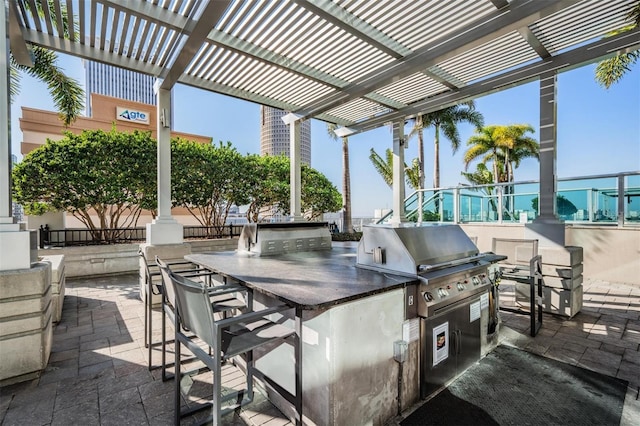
<point>599,199</point>
<point>85,237</point>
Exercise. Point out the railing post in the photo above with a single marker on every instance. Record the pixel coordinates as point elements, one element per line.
<point>500,203</point>
<point>621,200</point>
<point>46,235</point>
<point>456,205</point>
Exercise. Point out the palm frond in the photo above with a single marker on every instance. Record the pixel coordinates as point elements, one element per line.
<point>610,71</point>
<point>331,127</point>
<point>384,168</point>
<point>634,14</point>
<point>14,83</point>
<point>412,174</point>
<point>68,95</point>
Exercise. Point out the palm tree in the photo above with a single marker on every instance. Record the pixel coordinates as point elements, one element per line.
<point>384,166</point>
<point>610,71</point>
<point>484,144</point>
<point>346,177</point>
<point>67,94</point>
<point>515,145</point>
<point>505,147</point>
<point>446,120</point>
<point>482,176</point>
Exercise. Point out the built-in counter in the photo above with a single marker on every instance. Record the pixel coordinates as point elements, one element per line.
<point>349,319</point>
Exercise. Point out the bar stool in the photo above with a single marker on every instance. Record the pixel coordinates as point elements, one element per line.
<point>228,338</point>
<point>224,299</point>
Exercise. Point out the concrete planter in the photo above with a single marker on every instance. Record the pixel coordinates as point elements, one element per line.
<point>119,258</point>
<point>26,330</point>
<point>58,284</point>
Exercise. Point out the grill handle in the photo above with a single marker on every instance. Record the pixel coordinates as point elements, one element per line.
<point>477,257</point>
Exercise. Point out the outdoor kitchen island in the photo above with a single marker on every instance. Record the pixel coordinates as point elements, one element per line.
<point>352,320</point>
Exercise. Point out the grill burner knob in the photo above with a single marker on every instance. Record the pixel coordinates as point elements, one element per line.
<point>428,296</point>
<point>460,287</point>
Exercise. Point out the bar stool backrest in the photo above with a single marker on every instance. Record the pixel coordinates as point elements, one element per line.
<point>169,288</point>
<point>194,308</point>
<point>519,252</point>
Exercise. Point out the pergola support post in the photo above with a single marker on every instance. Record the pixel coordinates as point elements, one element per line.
<point>295,174</point>
<point>398,173</point>
<point>15,245</point>
<point>546,227</point>
<point>164,229</point>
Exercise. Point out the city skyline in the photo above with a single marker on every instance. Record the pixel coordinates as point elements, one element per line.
<point>598,130</point>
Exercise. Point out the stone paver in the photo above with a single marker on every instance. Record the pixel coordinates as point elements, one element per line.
<point>97,372</point>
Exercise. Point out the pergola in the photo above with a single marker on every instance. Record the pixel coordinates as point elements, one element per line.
<point>358,63</point>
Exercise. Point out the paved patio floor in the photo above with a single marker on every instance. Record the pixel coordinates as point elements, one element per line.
<point>97,372</point>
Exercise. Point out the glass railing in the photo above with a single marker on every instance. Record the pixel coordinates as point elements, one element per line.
<point>601,199</point>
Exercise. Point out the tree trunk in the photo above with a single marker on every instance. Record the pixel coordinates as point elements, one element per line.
<point>346,186</point>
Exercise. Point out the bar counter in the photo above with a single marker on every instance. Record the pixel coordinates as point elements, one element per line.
<point>309,280</point>
<point>347,320</point>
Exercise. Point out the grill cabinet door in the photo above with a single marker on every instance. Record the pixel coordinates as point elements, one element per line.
<point>453,340</point>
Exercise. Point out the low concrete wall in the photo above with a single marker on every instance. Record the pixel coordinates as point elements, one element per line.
<point>97,260</point>
<point>26,331</point>
<point>120,258</point>
<point>610,253</point>
<point>58,284</point>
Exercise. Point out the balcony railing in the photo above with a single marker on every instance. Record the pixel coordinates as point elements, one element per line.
<point>600,199</point>
<point>85,237</point>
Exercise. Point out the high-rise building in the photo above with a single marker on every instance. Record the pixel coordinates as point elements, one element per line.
<point>274,135</point>
<point>118,83</point>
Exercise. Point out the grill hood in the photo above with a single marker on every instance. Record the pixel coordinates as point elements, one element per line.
<point>268,239</point>
<point>411,249</point>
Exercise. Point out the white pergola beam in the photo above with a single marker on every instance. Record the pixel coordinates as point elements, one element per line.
<point>19,49</point>
<point>519,14</point>
<point>197,35</point>
<point>621,43</point>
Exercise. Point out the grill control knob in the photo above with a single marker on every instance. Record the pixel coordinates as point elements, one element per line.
<point>460,287</point>
<point>428,296</point>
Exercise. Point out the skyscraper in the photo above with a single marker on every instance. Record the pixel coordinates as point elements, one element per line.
<point>274,135</point>
<point>118,83</point>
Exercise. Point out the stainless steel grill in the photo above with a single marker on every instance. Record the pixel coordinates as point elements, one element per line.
<point>269,239</point>
<point>453,291</point>
<point>442,257</point>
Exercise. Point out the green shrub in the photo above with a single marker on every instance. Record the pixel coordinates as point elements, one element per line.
<point>346,236</point>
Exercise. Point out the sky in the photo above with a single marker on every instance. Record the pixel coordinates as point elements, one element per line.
<point>598,131</point>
